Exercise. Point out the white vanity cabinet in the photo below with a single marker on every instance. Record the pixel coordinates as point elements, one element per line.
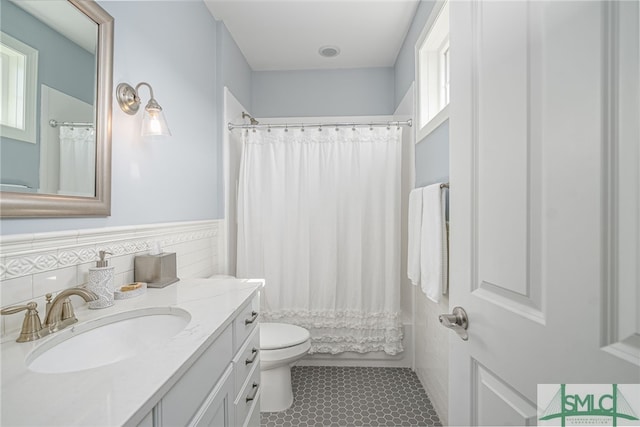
<point>207,374</point>
<point>222,387</point>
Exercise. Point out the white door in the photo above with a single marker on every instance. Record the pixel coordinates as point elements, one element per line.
<point>544,202</point>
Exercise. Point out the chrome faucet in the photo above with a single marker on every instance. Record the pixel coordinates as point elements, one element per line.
<point>59,314</point>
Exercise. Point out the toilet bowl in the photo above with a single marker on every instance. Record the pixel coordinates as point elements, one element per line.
<point>281,345</point>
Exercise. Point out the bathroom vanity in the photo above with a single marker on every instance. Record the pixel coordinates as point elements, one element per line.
<point>203,372</point>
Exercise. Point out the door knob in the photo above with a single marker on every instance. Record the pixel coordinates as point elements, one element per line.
<point>458,321</point>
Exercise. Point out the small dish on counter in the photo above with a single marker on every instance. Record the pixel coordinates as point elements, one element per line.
<point>131,290</point>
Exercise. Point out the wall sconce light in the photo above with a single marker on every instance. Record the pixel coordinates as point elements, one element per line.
<point>153,121</point>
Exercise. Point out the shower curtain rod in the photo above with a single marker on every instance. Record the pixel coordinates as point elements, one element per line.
<point>54,123</point>
<point>352,125</point>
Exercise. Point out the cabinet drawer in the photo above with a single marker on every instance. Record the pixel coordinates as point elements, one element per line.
<point>247,358</point>
<point>248,397</point>
<point>147,421</point>
<point>246,321</point>
<point>253,419</point>
<point>217,409</point>
<point>183,400</point>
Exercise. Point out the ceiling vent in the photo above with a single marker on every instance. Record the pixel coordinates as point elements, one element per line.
<point>329,51</point>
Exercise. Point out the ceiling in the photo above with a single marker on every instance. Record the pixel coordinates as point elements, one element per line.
<point>286,35</point>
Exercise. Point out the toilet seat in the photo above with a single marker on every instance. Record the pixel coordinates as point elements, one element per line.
<point>274,336</point>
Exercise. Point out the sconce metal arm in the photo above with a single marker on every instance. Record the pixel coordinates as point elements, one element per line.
<point>147,85</point>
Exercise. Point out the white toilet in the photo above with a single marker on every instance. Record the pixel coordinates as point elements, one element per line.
<point>281,345</point>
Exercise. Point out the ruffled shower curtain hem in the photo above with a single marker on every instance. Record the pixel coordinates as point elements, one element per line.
<point>339,331</point>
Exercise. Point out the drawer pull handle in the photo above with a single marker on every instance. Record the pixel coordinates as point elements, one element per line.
<point>253,393</point>
<point>254,316</point>
<point>252,358</point>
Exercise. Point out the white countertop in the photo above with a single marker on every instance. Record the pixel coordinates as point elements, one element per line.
<point>124,392</point>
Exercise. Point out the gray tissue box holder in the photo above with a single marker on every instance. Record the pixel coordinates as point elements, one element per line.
<point>157,271</point>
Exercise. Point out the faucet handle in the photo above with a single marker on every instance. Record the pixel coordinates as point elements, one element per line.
<point>31,325</point>
<point>18,308</point>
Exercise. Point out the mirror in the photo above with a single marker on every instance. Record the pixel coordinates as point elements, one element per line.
<point>55,135</point>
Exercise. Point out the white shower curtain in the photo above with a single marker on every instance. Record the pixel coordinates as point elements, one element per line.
<point>319,219</point>
<point>77,161</point>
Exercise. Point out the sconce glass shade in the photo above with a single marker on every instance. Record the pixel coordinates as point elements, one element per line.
<point>153,121</point>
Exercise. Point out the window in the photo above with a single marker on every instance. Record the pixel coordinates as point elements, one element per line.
<point>432,71</point>
<point>19,66</point>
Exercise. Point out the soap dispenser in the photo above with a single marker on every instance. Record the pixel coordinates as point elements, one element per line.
<point>101,282</point>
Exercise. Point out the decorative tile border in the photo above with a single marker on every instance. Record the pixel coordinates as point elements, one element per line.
<point>26,254</point>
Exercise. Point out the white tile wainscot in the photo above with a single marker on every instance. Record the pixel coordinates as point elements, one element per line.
<point>32,265</point>
<point>198,377</point>
<point>432,351</point>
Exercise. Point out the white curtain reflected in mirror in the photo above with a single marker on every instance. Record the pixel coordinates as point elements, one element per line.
<point>65,118</point>
<point>77,154</point>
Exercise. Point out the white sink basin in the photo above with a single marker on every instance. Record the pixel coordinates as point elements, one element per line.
<point>107,340</point>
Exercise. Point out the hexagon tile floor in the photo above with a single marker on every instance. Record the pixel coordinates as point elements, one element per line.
<point>354,396</point>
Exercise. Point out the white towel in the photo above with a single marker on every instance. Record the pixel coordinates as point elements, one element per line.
<point>433,243</point>
<point>413,241</point>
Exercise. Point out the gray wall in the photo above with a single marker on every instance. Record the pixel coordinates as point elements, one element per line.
<point>405,62</point>
<point>62,65</point>
<point>165,179</point>
<point>235,73</point>
<point>432,157</point>
<point>345,92</point>
<point>432,152</point>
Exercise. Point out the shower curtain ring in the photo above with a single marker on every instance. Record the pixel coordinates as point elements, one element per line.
<point>269,128</point>
<point>320,128</point>
<point>302,128</point>
<point>286,128</point>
